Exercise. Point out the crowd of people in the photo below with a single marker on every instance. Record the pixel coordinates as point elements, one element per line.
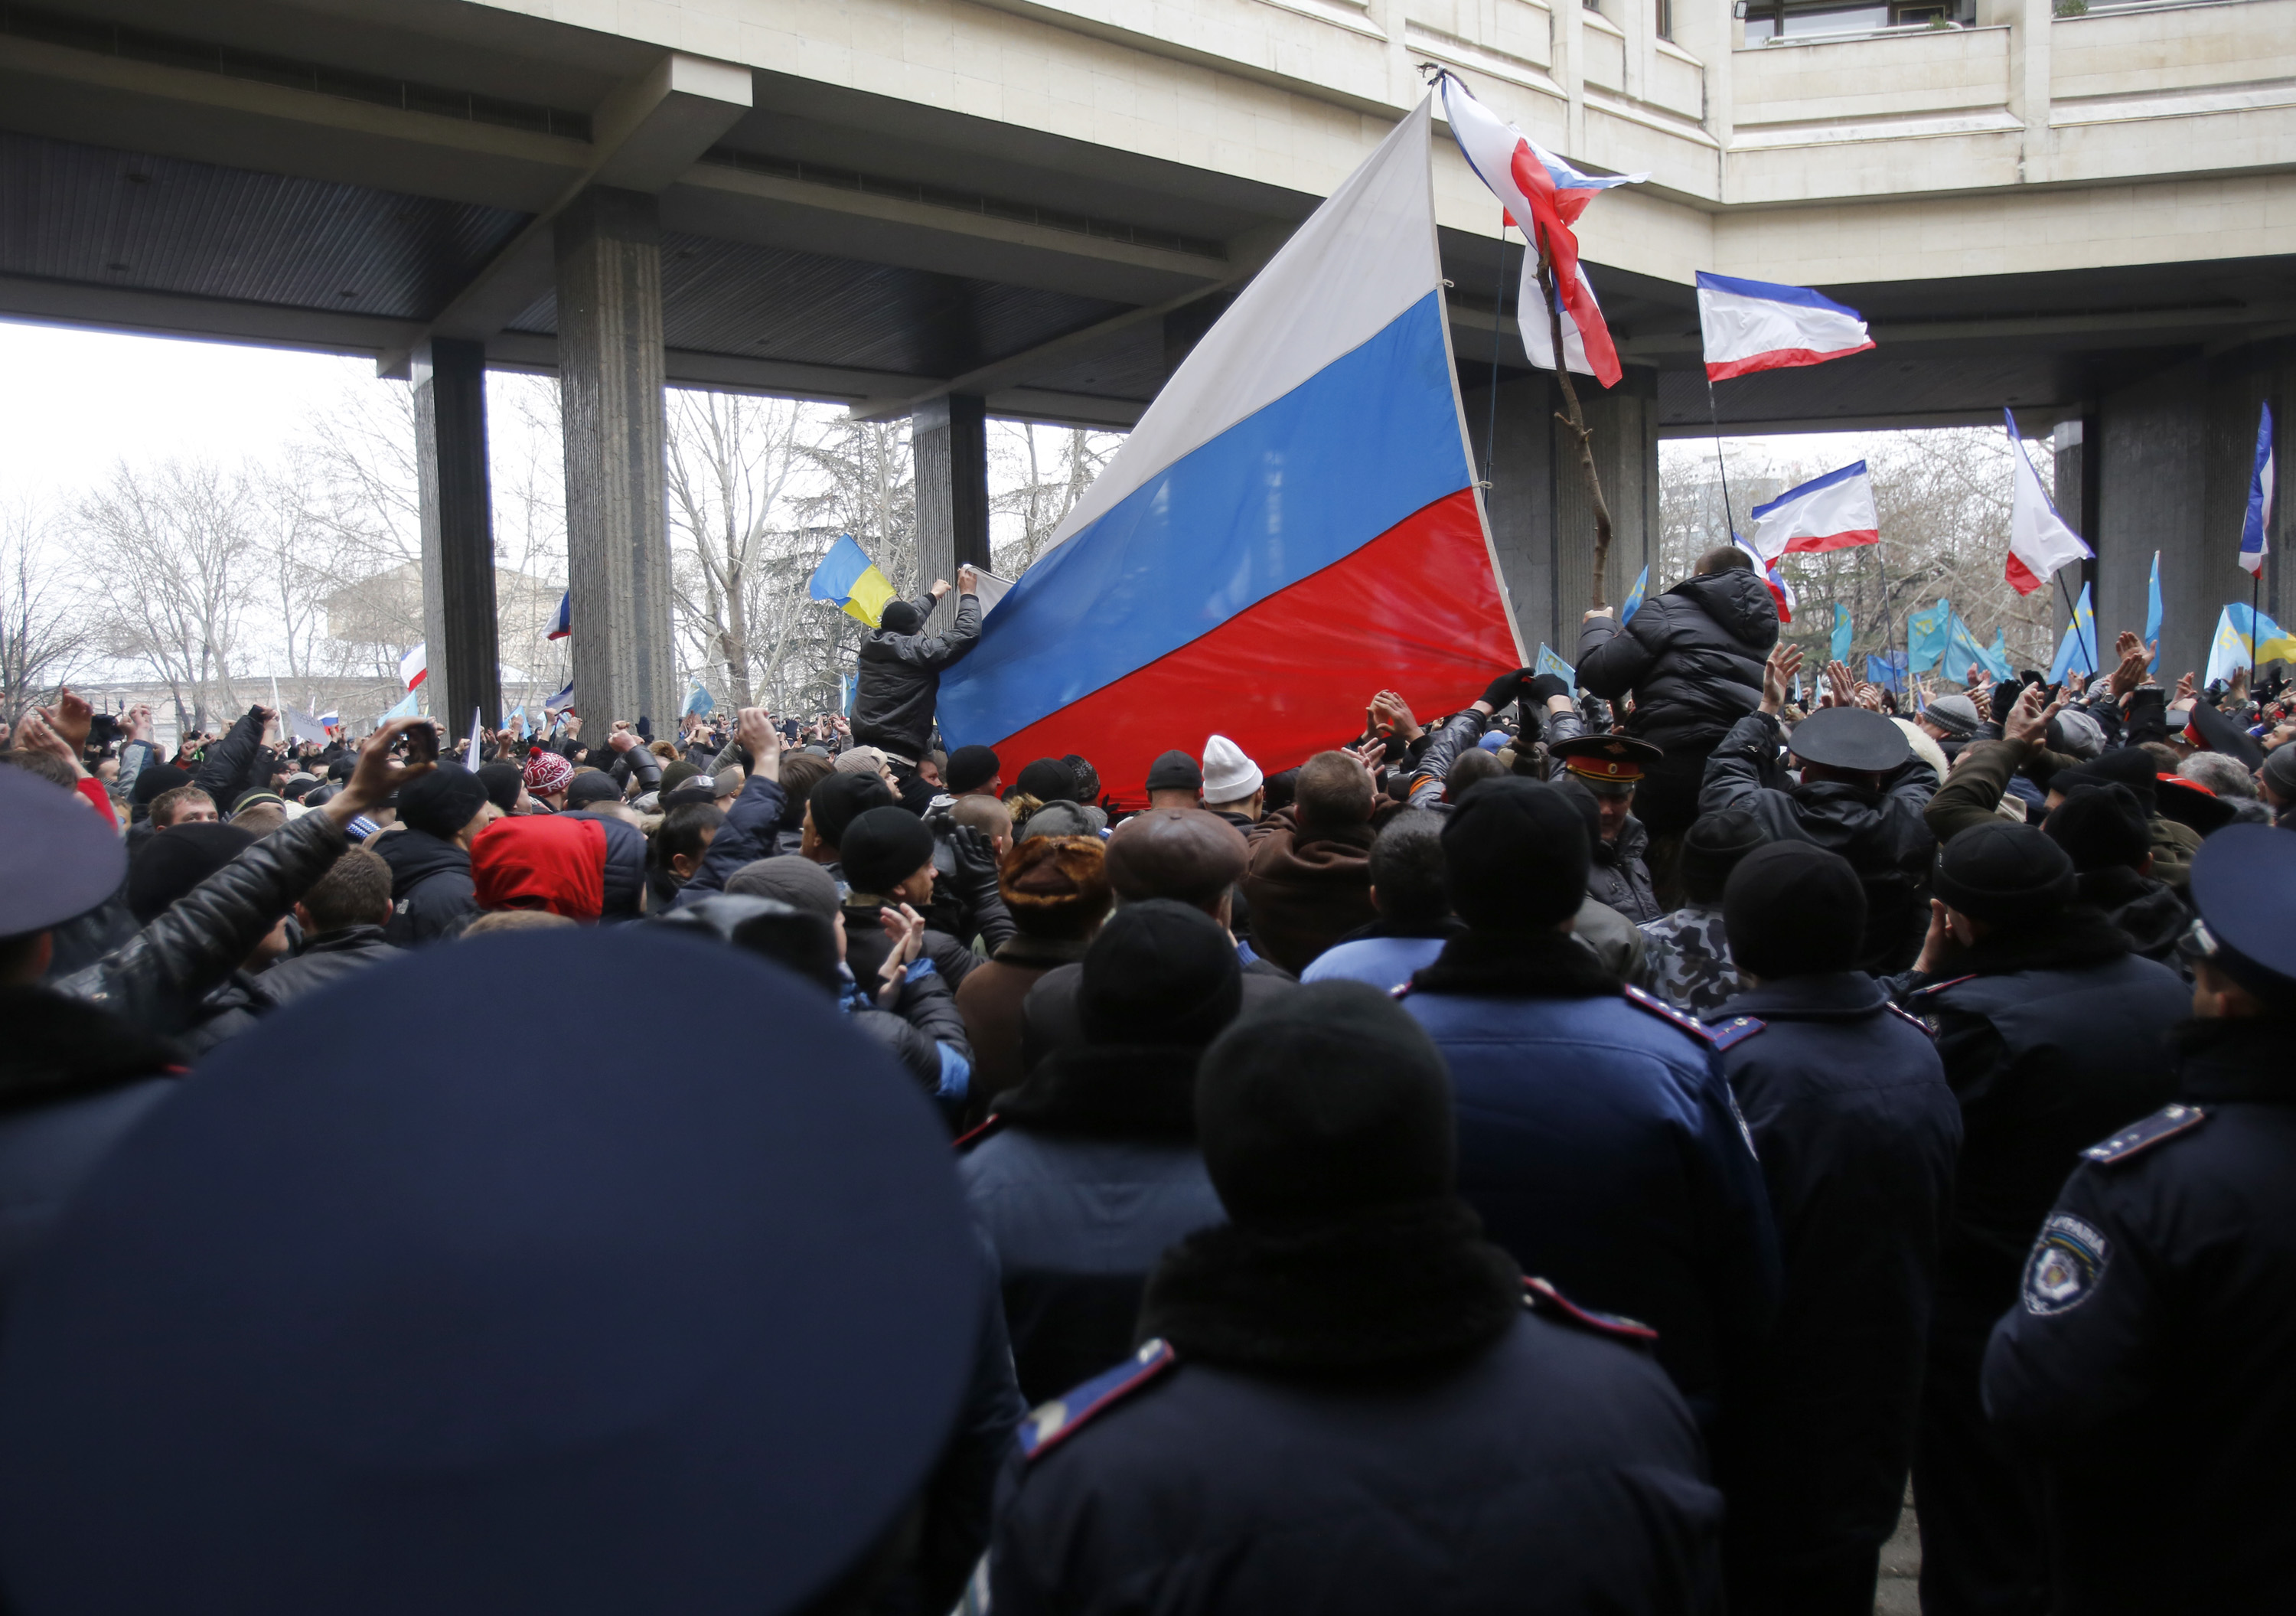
<point>1583,1152</point>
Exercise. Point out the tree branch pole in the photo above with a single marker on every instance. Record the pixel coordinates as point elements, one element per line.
<point>1570,417</point>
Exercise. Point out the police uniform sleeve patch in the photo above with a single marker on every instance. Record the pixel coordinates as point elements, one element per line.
<point>2166,1123</point>
<point>1664,1011</point>
<point>1052,1424</point>
<point>1737,1029</point>
<point>1541,1297</point>
<point>2067,1260</point>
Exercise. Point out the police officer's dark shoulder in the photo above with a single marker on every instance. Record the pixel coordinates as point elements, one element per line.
<point>1347,1348</point>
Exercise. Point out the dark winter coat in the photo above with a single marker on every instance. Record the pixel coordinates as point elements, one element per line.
<point>990,1001</point>
<point>2149,911</point>
<point>1088,1172</point>
<point>1857,1132</point>
<point>2145,1362</point>
<point>1618,875</point>
<point>1307,889</point>
<point>1881,833</point>
<point>237,764</point>
<point>746,836</point>
<point>431,896</point>
<point>1693,658</point>
<point>1599,1143</point>
<point>2052,1036</point>
<point>1360,1416</point>
<point>897,680</point>
<point>627,868</point>
<point>74,1079</point>
<point>326,957</point>
<point>1050,1020</point>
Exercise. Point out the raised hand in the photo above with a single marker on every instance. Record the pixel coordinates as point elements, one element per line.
<point>1840,688</point>
<point>756,732</point>
<point>71,718</point>
<point>377,775</point>
<point>2028,723</point>
<point>1778,676</point>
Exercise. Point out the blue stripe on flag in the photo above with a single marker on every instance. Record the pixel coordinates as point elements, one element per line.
<point>1773,291</point>
<point>1854,469</point>
<point>1285,493</point>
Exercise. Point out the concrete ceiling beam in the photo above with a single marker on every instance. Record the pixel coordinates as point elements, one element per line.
<point>643,136</point>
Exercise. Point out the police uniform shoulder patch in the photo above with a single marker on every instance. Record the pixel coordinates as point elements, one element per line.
<point>1541,1297</point>
<point>2166,1123</point>
<point>1899,1011</point>
<point>1737,1029</point>
<point>1664,1011</point>
<point>2067,1261</point>
<point>1054,1423</point>
<point>971,1137</point>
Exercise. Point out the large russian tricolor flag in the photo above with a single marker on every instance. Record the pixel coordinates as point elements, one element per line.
<point>1292,526</point>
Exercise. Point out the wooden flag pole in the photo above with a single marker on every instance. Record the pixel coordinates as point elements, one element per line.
<point>1570,417</point>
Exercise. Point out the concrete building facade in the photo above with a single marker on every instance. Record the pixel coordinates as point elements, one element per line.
<point>948,209</point>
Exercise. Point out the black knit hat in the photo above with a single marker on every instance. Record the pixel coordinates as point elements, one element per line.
<point>900,617</point>
<point>1791,909</point>
<point>596,786</point>
<point>1328,1100</point>
<point>1712,847</point>
<point>2102,827</point>
<point>177,859</point>
<point>1174,771</point>
<point>442,801</point>
<point>1515,856</point>
<point>970,768</point>
<point>2003,873</point>
<point>503,783</point>
<point>152,779</point>
<point>1159,972</point>
<point>837,800</point>
<point>1049,779</point>
<point>884,848</point>
<point>2129,766</point>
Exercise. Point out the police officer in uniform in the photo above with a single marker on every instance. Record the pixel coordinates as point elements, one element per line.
<point>1350,1402</point>
<point>2146,1365</point>
<point>1612,766</point>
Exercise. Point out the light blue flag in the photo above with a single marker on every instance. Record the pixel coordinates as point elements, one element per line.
<point>2001,655</point>
<point>2244,639</point>
<point>701,701</point>
<point>847,683</point>
<point>1842,632</point>
<point>2153,615</point>
<point>2076,651</point>
<point>1548,662</point>
<point>1886,671</point>
<point>2256,521</point>
<point>404,709</point>
<point>1929,636</point>
<point>1633,598</point>
<point>1963,649</point>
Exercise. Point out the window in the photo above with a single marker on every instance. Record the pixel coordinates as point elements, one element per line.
<point>1665,18</point>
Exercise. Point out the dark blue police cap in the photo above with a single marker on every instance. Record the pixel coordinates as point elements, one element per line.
<point>1853,738</point>
<point>57,857</point>
<point>450,1324</point>
<point>2243,888</point>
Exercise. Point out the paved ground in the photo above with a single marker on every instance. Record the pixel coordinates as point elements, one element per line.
<point>1901,1569</point>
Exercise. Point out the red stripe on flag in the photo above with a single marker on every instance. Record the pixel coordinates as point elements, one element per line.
<point>2020,575</point>
<point>1777,359</point>
<point>1849,540</point>
<point>1416,609</point>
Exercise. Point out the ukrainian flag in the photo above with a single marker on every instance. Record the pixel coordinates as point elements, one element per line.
<point>847,577</point>
<point>2246,638</point>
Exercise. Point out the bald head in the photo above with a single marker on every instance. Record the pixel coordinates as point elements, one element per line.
<point>1184,854</point>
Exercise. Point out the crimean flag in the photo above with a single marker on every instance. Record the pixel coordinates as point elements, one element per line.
<point>1750,326</point>
<point>1544,196</point>
<point>563,623</point>
<point>414,667</point>
<point>1834,511</point>
<point>849,578</point>
<point>1292,526</point>
<point>2039,540</point>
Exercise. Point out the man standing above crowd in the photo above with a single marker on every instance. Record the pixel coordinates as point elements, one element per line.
<point>898,672</point>
<point>1692,659</point>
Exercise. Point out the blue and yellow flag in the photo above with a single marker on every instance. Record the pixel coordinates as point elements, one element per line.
<point>1842,628</point>
<point>1634,595</point>
<point>849,578</point>
<point>1548,662</point>
<point>1929,636</point>
<point>2076,651</point>
<point>2244,638</point>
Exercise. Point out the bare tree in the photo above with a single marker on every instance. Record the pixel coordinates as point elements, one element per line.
<point>42,624</point>
<point>171,550</point>
<point>732,461</point>
<point>1049,469</point>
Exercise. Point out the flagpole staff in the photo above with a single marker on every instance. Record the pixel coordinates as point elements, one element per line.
<point>1570,417</point>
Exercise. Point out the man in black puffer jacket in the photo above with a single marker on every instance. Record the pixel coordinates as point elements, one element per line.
<point>898,673</point>
<point>1693,660</point>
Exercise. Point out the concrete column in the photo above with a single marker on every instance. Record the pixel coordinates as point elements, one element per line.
<point>1542,523</point>
<point>449,378</point>
<point>948,437</point>
<point>2179,450</point>
<point>610,380</point>
<point>2073,444</point>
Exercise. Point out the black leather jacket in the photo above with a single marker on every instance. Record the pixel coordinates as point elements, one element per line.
<point>899,680</point>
